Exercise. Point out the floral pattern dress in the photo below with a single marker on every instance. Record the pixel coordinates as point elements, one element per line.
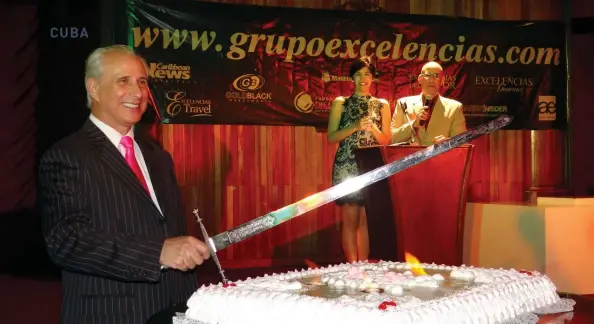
<point>345,166</point>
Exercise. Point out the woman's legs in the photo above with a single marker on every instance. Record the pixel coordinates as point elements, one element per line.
<point>363,236</point>
<point>350,225</point>
<point>355,238</point>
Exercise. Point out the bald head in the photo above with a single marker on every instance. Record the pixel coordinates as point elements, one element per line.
<point>431,66</point>
<point>430,79</point>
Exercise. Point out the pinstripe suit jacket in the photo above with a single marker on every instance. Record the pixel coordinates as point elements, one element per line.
<point>106,234</point>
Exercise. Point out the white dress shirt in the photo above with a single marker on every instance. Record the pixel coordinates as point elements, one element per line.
<point>115,137</point>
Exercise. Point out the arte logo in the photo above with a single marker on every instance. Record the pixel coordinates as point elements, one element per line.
<point>547,108</point>
<point>178,103</point>
<point>68,32</point>
<point>247,88</point>
<point>165,71</point>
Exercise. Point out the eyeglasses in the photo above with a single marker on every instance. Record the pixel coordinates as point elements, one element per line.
<point>430,75</point>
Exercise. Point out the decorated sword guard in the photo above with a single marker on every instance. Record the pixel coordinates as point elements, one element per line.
<point>208,241</point>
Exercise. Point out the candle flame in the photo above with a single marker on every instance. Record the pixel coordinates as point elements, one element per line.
<point>311,264</point>
<point>414,263</point>
<point>317,279</point>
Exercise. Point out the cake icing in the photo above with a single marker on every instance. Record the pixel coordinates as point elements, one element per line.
<point>383,292</point>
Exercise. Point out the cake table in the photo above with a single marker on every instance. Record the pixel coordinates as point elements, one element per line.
<point>384,292</point>
<point>583,313</point>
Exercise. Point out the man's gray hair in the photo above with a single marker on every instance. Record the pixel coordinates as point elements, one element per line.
<point>94,63</point>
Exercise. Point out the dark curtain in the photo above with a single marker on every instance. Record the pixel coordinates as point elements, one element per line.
<point>18,129</point>
<point>42,99</point>
<point>18,92</point>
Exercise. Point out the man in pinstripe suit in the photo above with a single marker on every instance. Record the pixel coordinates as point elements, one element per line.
<point>112,215</point>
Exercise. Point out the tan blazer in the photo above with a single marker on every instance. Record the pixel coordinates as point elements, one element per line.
<point>447,120</point>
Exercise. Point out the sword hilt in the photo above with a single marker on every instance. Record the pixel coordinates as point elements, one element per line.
<point>211,247</point>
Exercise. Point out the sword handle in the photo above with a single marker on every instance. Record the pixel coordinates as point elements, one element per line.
<point>209,243</point>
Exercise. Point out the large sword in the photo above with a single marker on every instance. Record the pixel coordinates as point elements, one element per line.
<point>279,216</point>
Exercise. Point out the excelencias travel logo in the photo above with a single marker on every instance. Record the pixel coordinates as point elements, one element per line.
<point>178,103</point>
<point>169,71</point>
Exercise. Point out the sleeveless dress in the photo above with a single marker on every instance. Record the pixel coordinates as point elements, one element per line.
<point>345,165</point>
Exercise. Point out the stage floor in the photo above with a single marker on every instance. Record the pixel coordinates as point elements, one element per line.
<point>28,299</point>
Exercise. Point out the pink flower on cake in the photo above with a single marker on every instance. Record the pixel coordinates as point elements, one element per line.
<point>526,272</point>
<point>393,276</point>
<point>226,285</point>
<point>356,273</point>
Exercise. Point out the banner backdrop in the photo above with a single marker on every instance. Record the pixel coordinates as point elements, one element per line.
<point>213,63</point>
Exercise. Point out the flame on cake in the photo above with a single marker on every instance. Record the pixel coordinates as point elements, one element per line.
<point>414,263</point>
<point>311,264</point>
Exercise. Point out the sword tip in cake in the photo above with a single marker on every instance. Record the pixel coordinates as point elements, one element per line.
<point>382,292</point>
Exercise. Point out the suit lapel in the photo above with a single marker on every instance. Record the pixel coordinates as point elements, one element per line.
<point>417,106</point>
<point>418,103</point>
<point>427,129</point>
<point>436,119</point>
<point>115,162</point>
<point>156,174</point>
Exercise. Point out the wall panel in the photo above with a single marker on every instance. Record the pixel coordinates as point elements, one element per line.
<point>236,173</point>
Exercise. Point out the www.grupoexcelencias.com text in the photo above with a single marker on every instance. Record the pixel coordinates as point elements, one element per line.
<point>242,44</point>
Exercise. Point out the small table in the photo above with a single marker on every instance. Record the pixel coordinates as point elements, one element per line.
<point>166,316</point>
<point>583,312</point>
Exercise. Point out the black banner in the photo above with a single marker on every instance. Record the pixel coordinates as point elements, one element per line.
<point>214,63</point>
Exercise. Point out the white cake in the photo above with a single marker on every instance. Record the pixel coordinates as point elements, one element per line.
<point>383,292</point>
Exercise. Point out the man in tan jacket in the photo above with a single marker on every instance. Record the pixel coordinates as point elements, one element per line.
<point>430,118</point>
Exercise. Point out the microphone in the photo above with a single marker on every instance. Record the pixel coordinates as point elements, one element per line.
<point>425,104</point>
<point>363,110</point>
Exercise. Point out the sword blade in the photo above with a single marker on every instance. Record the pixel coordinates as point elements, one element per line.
<point>279,216</point>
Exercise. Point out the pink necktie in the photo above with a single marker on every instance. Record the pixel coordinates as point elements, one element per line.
<point>128,143</point>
